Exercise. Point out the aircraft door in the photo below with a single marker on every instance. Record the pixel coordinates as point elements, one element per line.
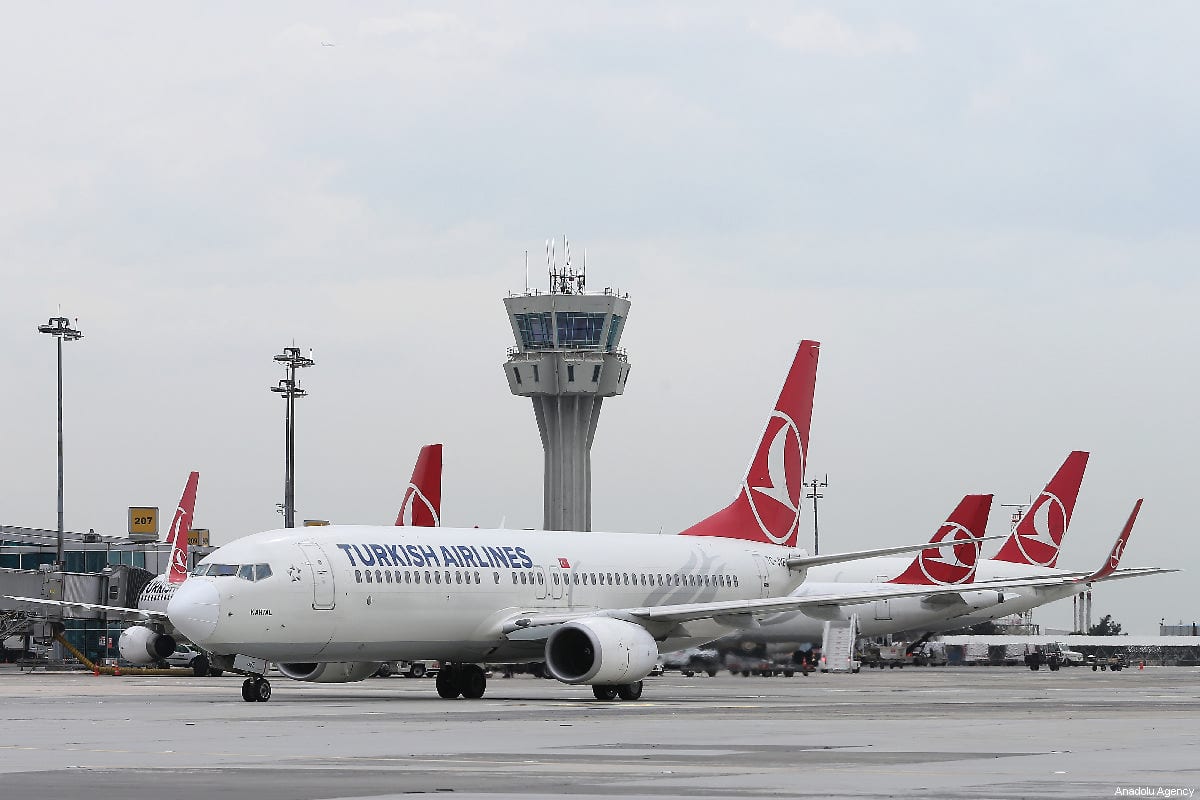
<point>539,575</point>
<point>764,575</point>
<point>883,608</point>
<point>557,582</point>
<point>322,574</point>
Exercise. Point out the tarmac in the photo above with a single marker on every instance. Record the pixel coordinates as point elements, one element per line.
<point>938,732</point>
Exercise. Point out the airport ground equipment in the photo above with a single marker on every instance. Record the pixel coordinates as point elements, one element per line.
<point>837,646</point>
<point>567,359</point>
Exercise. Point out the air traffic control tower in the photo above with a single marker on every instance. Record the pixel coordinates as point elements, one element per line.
<point>567,360</point>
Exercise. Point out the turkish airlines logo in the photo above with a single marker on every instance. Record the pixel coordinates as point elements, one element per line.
<point>953,556</point>
<point>775,480</point>
<point>1118,550</point>
<point>177,539</point>
<point>411,496</point>
<point>1039,532</point>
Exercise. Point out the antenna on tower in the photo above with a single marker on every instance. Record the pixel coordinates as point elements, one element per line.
<point>526,272</point>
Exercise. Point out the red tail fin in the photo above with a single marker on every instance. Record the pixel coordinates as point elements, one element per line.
<point>956,551</point>
<point>767,507</point>
<point>422,506</point>
<point>1114,555</point>
<point>177,536</point>
<point>1039,533</point>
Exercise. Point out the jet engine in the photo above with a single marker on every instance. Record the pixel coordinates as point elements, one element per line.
<point>600,650</point>
<point>330,671</point>
<point>141,645</point>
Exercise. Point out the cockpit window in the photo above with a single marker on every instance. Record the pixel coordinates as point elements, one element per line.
<point>246,572</point>
<point>262,571</point>
<point>221,570</point>
<point>201,569</point>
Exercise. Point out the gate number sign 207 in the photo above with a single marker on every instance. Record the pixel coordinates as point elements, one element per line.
<point>143,519</point>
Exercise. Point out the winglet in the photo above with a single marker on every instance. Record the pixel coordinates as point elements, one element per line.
<point>767,506</point>
<point>1039,533</point>
<point>954,548</point>
<point>422,505</point>
<point>177,536</point>
<point>1118,550</point>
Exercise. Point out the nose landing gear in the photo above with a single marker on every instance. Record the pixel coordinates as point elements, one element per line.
<point>256,689</point>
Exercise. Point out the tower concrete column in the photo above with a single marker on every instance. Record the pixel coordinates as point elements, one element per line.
<point>567,359</point>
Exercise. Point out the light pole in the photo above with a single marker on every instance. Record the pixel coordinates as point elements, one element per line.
<point>290,389</point>
<point>814,495</point>
<point>60,328</point>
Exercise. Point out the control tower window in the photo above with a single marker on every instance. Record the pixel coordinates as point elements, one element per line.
<point>579,329</point>
<point>614,331</point>
<point>596,374</point>
<point>570,373</point>
<point>536,333</point>
<point>517,374</point>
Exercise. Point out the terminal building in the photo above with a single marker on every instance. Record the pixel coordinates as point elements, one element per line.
<point>106,570</point>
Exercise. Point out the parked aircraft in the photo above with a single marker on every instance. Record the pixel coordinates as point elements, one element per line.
<point>596,607</point>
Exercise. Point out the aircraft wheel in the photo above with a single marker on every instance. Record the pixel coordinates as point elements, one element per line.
<point>1033,667</point>
<point>787,673</point>
<point>262,690</point>
<point>712,673</point>
<point>200,666</point>
<point>605,692</point>
<point>248,693</point>
<point>448,685</point>
<point>417,671</point>
<point>472,681</point>
<point>630,691</point>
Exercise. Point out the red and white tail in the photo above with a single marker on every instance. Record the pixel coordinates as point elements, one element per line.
<point>1114,555</point>
<point>422,505</point>
<point>177,536</point>
<point>954,549</point>
<point>1039,533</point>
<point>767,507</point>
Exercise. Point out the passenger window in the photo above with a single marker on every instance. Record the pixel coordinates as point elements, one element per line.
<point>457,577</point>
<point>407,576</point>
<point>523,578</point>
<point>514,579</point>
<point>379,576</point>
<point>496,575</point>
<point>735,580</point>
<point>368,576</point>
<point>541,579</point>
<point>447,576</point>
<point>262,571</point>
<point>358,576</point>
<point>246,572</point>
<point>576,579</point>
<point>476,577</point>
<point>554,577</point>
<point>437,577</point>
<point>388,574</point>
<point>428,577</point>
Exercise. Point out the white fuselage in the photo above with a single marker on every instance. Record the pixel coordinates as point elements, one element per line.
<point>885,616</point>
<point>349,593</point>
<point>157,594</point>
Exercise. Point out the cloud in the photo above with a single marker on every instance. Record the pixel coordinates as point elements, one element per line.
<point>819,32</point>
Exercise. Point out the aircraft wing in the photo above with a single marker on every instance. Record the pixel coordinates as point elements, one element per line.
<point>803,562</point>
<point>686,612</point>
<point>129,614</point>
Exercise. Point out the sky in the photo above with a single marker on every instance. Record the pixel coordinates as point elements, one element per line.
<point>985,212</point>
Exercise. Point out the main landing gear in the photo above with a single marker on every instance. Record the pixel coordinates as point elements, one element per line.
<point>625,691</point>
<point>256,689</point>
<point>467,680</point>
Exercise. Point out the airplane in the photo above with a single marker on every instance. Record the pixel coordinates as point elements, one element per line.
<point>1037,536</point>
<point>152,638</point>
<point>597,608</point>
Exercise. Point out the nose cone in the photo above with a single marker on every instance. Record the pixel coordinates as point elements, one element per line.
<point>195,609</point>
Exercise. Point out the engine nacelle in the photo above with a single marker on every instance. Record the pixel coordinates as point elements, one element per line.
<point>141,645</point>
<point>330,671</point>
<point>600,650</point>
